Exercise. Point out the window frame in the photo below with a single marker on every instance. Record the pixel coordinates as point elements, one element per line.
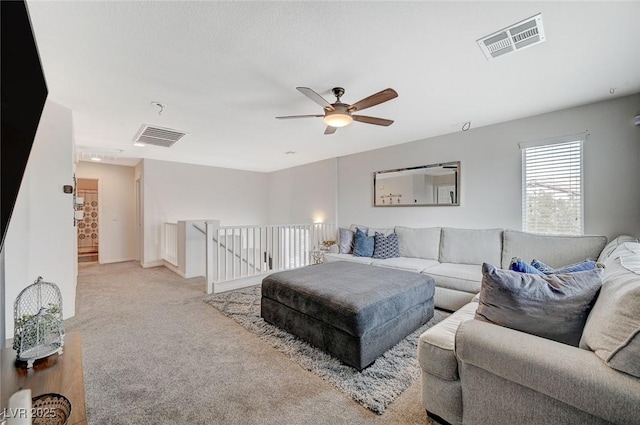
<point>524,146</point>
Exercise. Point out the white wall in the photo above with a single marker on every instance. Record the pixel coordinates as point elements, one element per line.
<point>304,194</point>
<point>175,191</point>
<point>491,171</point>
<point>41,238</point>
<point>116,220</point>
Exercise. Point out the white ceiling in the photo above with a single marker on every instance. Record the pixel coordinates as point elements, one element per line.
<point>226,69</point>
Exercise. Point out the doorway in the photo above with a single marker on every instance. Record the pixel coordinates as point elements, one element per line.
<point>88,238</point>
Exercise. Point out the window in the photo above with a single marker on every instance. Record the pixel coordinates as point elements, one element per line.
<point>552,189</point>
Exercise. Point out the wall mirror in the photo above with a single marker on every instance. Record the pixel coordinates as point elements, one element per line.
<point>435,184</point>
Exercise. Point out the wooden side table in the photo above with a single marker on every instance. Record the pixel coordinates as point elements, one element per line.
<point>55,374</point>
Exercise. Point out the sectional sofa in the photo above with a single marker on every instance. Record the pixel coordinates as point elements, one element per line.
<point>475,372</point>
<point>454,257</point>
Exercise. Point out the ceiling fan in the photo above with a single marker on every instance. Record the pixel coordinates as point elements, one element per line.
<point>340,114</point>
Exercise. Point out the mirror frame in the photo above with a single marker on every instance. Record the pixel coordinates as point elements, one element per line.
<point>457,185</point>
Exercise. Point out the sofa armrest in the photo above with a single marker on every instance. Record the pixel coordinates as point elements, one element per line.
<point>569,374</point>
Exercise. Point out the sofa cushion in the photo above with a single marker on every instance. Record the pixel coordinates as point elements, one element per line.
<point>371,231</point>
<point>345,242</point>
<point>612,330</point>
<point>402,263</point>
<point>330,257</point>
<point>556,251</point>
<point>363,245</point>
<point>436,345</point>
<point>419,243</point>
<point>386,231</point>
<point>461,277</point>
<point>471,246</point>
<point>551,306</point>
<point>385,246</point>
<point>354,227</point>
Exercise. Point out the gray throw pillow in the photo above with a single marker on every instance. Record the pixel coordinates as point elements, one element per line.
<point>385,246</point>
<point>550,306</point>
<point>345,244</point>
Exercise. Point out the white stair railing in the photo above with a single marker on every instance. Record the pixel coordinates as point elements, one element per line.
<point>236,252</point>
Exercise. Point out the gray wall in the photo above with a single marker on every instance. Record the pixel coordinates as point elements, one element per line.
<point>304,194</point>
<point>491,171</point>
<point>175,191</point>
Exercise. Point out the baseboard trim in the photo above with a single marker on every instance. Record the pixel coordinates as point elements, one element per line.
<point>117,260</point>
<point>173,269</point>
<point>152,264</point>
<point>244,282</point>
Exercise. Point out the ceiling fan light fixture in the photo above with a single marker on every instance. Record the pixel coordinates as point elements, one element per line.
<point>337,119</point>
<point>338,114</point>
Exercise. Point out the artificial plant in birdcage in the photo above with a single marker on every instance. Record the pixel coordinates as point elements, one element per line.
<point>37,315</point>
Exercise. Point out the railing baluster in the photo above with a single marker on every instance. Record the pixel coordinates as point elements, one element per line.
<point>226,259</point>
<point>245,251</point>
<point>296,245</point>
<point>280,248</point>
<point>299,244</point>
<point>253,250</point>
<point>217,258</point>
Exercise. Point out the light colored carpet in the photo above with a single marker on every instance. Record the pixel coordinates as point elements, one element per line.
<point>154,353</point>
<point>375,387</point>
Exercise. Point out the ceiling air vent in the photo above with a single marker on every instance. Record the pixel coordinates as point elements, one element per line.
<point>158,136</point>
<point>525,33</point>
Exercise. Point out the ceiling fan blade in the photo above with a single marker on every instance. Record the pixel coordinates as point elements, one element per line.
<point>315,97</point>
<point>373,100</point>
<point>330,130</point>
<point>372,120</point>
<point>288,117</point>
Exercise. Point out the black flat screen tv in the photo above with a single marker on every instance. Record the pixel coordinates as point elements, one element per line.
<point>24,92</point>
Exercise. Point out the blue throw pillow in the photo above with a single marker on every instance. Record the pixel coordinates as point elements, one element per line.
<point>571,268</point>
<point>517,265</point>
<point>385,246</point>
<point>363,246</point>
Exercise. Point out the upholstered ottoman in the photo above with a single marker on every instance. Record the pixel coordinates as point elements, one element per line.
<point>352,311</point>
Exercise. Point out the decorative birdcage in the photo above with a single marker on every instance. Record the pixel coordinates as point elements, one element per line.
<point>37,314</point>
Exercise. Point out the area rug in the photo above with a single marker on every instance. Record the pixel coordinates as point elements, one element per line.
<point>375,387</point>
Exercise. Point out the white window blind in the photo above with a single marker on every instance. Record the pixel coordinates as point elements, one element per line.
<point>552,189</point>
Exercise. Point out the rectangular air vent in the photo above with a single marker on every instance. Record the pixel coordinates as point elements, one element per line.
<point>157,136</point>
<point>525,33</point>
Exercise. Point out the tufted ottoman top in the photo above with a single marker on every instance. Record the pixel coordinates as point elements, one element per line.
<point>349,296</point>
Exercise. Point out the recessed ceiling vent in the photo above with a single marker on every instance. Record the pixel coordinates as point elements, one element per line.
<point>518,36</point>
<point>157,136</point>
